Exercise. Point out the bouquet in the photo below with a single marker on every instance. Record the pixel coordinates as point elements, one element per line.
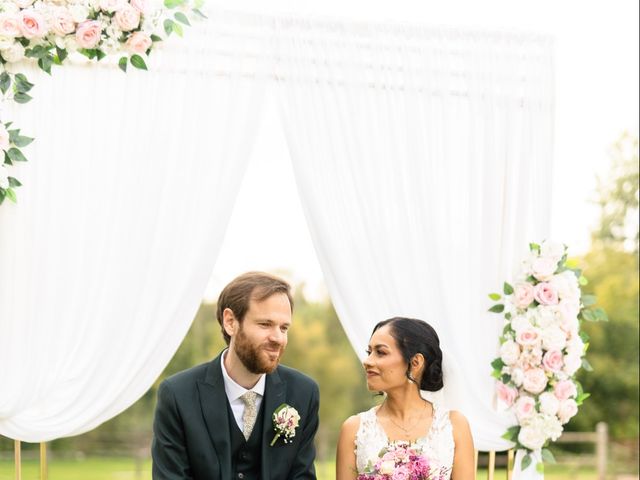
<point>401,461</point>
<point>542,348</point>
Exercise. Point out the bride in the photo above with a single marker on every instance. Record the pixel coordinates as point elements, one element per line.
<point>404,357</point>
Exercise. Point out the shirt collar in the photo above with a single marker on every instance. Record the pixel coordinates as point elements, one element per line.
<point>235,391</point>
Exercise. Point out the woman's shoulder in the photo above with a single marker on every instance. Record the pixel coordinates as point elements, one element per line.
<point>459,423</point>
<point>352,424</point>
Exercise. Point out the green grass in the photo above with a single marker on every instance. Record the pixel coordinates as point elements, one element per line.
<point>125,469</point>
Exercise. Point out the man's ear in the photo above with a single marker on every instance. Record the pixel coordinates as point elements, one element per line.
<point>229,322</point>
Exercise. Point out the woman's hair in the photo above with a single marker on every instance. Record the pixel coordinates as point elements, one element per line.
<point>413,337</point>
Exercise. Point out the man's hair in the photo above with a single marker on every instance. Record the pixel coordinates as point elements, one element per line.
<point>257,286</point>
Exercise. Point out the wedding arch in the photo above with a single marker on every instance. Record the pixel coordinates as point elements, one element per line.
<point>422,157</point>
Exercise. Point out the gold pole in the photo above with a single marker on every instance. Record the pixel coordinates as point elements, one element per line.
<point>510,455</point>
<point>475,459</point>
<point>43,461</point>
<point>492,465</point>
<point>18,462</point>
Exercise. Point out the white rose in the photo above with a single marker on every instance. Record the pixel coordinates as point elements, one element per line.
<point>571,364</point>
<point>566,284</point>
<point>568,408</point>
<point>549,403</point>
<point>111,6</point>
<point>509,352</point>
<point>520,322</point>
<point>545,316</point>
<point>517,376</point>
<point>12,53</point>
<point>23,3</point>
<point>127,18</point>
<point>387,467</point>
<point>5,42</point>
<point>554,250</point>
<point>543,268</point>
<point>575,346</point>
<point>532,436</point>
<point>4,177</point>
<point>535,380</point>
<point>552,427</point>
<point>553,338</point>
<point>79,12</point>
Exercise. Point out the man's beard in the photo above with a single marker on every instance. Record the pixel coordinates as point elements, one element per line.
<point>249,354</point>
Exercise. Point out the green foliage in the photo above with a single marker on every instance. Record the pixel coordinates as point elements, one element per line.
<point>612,267</point>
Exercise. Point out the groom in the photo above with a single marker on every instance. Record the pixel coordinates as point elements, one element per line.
<point>216,421</point>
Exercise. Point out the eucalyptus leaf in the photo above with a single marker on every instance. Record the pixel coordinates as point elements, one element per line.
<point>182,18</point>
<point>16,155</point>
<point>22,84</point>
<point>526,461</point>
<point>168,26</point>
<point>495,296</point>
<point>588,300</point>
<point>5,82</point>
<point>11,195</point>
<point>507,289</point>
<point>499,308</point>
<point>22,97</point>
<point>13,182</point>
<point>138,62</point>
<point>540,468</point>
<point>586,365</point>
<point>122,64</point>
<point>547,456</point>
<point>21,141</point>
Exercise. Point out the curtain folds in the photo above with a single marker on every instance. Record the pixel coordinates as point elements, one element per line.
<point>423,163</point>
<point>125,202</point>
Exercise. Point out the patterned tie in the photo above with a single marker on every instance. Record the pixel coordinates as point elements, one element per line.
<point>250,413</point>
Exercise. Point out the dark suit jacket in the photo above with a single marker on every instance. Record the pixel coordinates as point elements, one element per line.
<point>191,438</point>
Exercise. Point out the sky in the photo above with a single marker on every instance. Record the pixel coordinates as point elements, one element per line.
<point>596,62</point>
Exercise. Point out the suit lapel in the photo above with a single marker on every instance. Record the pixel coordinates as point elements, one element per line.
<point>213,401</point>
<point>274,396</point>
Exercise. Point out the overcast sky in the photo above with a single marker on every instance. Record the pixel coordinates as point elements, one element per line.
<point>596,100</point>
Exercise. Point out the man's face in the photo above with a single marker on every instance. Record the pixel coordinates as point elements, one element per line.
<point>260,339</point>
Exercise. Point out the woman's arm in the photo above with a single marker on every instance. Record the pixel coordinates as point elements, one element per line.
<point>463,459</point>
<point>346,457</point>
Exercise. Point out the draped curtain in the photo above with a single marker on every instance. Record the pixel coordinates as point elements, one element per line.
<point>106,255</point>
<point>423,163</point>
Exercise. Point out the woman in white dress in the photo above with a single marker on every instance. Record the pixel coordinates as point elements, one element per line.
<point>404,357</point>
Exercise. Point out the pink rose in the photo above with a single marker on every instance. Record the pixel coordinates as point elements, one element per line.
<point>568,313</point>
<point>565,389</point>
<point>9,25</point>
<point>140,5</point>
<point>62,22</point>
<point>506,394</point>
<point>127,18</point>
<point>525,407</point>
<point>535,380</point>
<point>139,42</point>
<point>523,295</point>
<point>88,34</point>
<point>542,268</point>
<point>552,361</point>
<point>32,24</point>
<point>568,408</point>
<point>528,337</point>
<point>546,294</point>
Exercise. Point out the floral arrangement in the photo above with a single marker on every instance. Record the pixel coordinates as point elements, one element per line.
<point>542,348</point>
<point>401,461</point>
<point>49,31</point>
<point>285,421</point>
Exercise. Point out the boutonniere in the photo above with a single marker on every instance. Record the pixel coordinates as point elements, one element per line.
<point>285,421</point>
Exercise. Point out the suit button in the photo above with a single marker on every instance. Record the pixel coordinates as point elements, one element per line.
<point>241,475</point>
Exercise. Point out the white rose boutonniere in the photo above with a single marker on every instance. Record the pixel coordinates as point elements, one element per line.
<point>285,421</point>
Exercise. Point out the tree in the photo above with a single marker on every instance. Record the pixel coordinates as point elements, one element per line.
<point>612,269</point>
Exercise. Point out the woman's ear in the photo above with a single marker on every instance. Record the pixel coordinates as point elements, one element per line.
<point>417,365</point>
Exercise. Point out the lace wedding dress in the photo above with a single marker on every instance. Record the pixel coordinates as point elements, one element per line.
<point>437,445</point>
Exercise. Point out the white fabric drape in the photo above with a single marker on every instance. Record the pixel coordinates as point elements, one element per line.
<point>423,159</point>
<point>126,198</point>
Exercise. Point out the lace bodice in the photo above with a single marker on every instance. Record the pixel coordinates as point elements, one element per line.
<point>437,445</point>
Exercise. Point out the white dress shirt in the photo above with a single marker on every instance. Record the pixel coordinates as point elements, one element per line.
<point>235,391</point>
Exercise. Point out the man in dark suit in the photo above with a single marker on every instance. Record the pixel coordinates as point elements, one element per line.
<point>216,421</point>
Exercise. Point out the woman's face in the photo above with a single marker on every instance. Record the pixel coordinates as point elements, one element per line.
<point>384,365</point>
